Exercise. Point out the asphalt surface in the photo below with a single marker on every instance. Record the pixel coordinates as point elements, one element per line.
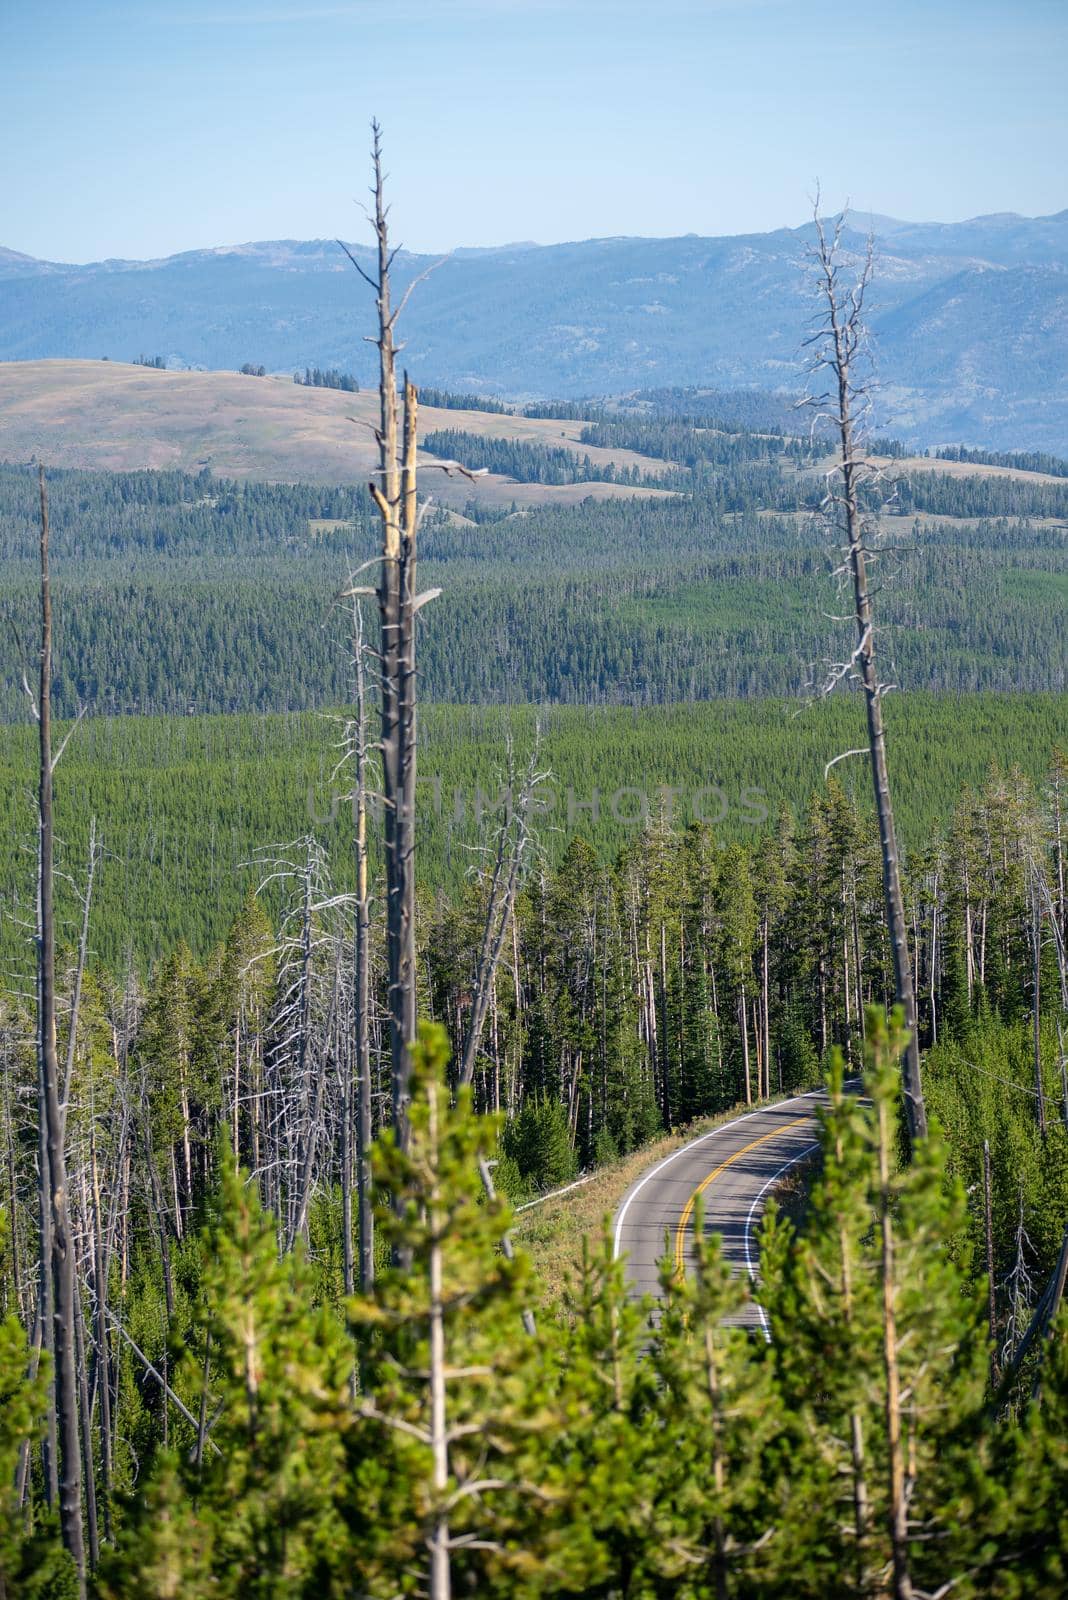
<point>733,1168</point>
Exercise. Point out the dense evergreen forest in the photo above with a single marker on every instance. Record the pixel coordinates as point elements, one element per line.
<point>182,593</point>
<point>209,1131</point>
<point>268,1395</point>
<point>1023,460</point>
<point>183,803</point>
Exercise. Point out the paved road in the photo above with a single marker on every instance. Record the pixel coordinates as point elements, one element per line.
<point>732,1168</point>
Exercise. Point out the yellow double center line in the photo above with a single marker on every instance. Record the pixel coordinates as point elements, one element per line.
<point>687,1210</point>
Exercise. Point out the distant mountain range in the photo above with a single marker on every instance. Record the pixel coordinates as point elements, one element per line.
<point>970,318</point>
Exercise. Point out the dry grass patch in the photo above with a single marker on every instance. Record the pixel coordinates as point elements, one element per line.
<point>117,417</point>
<point>904,466</point>
<point>791,1193</point>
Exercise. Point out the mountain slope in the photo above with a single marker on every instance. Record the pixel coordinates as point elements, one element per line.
<point>971,318</point>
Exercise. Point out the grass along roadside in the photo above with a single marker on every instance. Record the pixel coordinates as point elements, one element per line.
<point>791,1193</point>
<point>552,1230</point>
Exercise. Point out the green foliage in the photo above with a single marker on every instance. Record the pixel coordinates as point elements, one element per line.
<point>454,1395</point>
<point>532,463</point>
<point>868,1298</point>
<point>179,592</point>
<point>183,803</point>
<point>1038,1567</point>
<point>332,1450</point>
<point>1019,460</point>
<point>609,1447</point>
<point>445,400</point>
<point>33,1564</point>
<point>539,1142</point>
<point>981,1088</point>
<point>327,378</point>
<point>253,1513</point>
<point>734,1521</point>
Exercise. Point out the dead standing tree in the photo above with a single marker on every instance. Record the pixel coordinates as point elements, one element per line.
<point>394,495</point>
<point>362,998</point>
<point>838,345</point>
<point>56,1234</point>
<point>509,854</point>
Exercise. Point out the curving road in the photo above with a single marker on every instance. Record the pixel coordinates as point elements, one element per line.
<point>731,1168</point>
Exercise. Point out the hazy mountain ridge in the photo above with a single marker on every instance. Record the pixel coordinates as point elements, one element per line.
<point>971,318</point>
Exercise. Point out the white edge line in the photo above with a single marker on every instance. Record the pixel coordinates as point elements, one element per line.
<point>749,1267</point>
<point>809,1094</point>
<point>553,1193</point>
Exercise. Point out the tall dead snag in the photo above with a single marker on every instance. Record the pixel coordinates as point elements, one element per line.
<point>513,842</point>
<point>394,495</point>
<point>837,343</point>
<point>362,995</point>
<point>65,1309</point>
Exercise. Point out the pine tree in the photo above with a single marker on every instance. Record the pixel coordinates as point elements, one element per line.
<point>1035,1458</point>
<point>892,1438</point>
<point>33,1563</point>
<point>447,1468</point>
<point>728,1527</point>
<point>611,1454</point>
<point>249,1506</point>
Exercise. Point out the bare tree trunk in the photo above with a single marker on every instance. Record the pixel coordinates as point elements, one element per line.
<point>64,1288</point>
<point>1036,1030</point>
<point>348,1262</point>
<point>744,1029</point>
<point>934,961</point>
<point>665,1068</point>
<point>44,1338</point>
<point>988,1233</point>
<point>87,1440</point>
<point>1059,776</point>
<point>79,976</point>
<point>103,1361</point>
<point>513,837</point>
<point>517,985</point>
<point>766,1002</point>
<point>969,935</point>
<point>395,497</point>
<point>838,340</point>
<point>362,978</point>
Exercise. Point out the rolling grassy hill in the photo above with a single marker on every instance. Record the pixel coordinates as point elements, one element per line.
<point>118,417</point>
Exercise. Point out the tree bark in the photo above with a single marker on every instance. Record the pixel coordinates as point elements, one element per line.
<point>988,1234</point>
<point>1036,1016</point>
<point>395,498</point>
<point>841,335</point>
<point>64,1288</point>
<point>365,1210</point>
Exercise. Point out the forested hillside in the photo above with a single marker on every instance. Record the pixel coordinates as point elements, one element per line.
<point>186,593</point>
<point>373,865</point>
<point>184,803</point>
<point>678,979</point>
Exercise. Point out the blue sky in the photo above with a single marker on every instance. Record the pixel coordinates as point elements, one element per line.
<point>141,127</point>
